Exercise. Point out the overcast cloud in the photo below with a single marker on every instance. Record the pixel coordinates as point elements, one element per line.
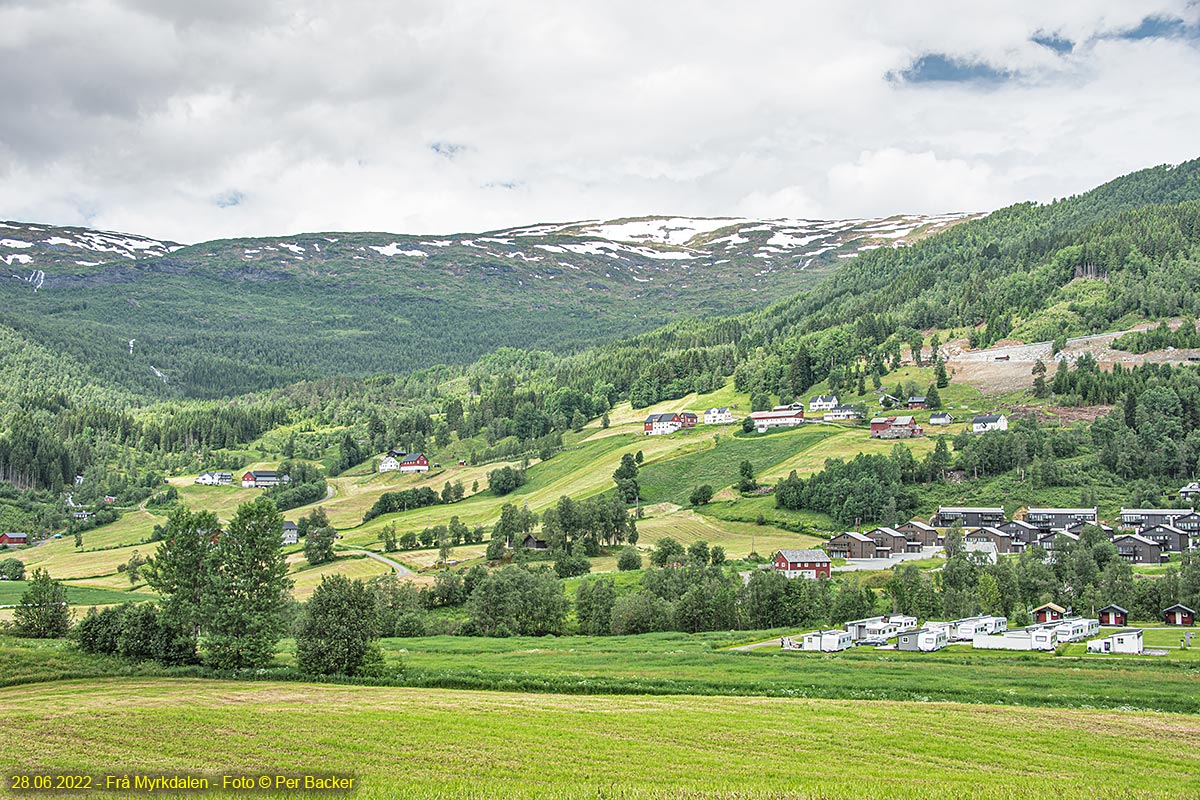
<point>195,119</point>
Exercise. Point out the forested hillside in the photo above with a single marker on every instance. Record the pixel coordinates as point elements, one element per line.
<point>159,320</point>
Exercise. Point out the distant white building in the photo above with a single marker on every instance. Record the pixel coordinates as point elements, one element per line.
<point>718,416</point>
<point>389,463</point>
<point>214,478</point>
<point>823,402</point>
<point>1190,492</point>
<point>785,418</point>
<point>291,533</point>
<point>940,418</point>
<point>989,422</point>
<point>842,413</point>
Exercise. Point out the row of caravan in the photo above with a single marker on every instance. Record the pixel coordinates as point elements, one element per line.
<point>823,641</point>
<point>1043,636</point>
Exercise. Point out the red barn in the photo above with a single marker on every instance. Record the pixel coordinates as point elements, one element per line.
<point>1179,615</point>
<point>1113,615</point>
<point>801,563</point>
<point>1049,612</point>
<point>14,538</point>
<point>687,419</point>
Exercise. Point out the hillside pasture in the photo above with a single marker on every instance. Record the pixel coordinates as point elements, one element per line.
<point>738,538</point>
<point>488,744</point>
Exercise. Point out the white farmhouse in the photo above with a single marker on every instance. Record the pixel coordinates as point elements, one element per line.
<point>389,463</point>
<point>989,422</point>
<point>823,402</point>
<point>718,416</point>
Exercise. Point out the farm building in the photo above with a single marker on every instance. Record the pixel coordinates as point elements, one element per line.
<point>291,533</point>
<point>1190,492</point>
<point>1048,519</point>
<point>967,517</point>
<point>414,462</point>
<point>823,402</point>
<point>842,414</point>
<point>1128,642</point>
<point>851,544</point>
<point>888,542</point>
<point>918,402</point>
<point>1179,614</point>
<point>1018,639</point>
<point>14,539</point>
<point>782,418</point>
<point>998,538</point>
<point>919,533</point>
<point>1137,549</point>
<point>1139,518</point>
<point>1112,616</point>
<point>1169,538</point>
<point>661,424</point>
<point>925,640</point>
<point>989,422</point>
<point>718,416</point>
<point>940,418</point>
<point>531,542</point>
<point>261,478</point>
<point>390,463</point>
<point>801,563</point>
<point>214,478</point>
<point>1050,612</point>
<point>895,428</point>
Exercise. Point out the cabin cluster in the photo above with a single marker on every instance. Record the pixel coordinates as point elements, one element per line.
<point>905,427</point>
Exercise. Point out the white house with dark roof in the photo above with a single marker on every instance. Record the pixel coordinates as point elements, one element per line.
<point>1190,492</point>
<point>940,418</point>
<point>989,422</point>
<point>718,416</point>
<point>291,533</point>
<point>823,402</point>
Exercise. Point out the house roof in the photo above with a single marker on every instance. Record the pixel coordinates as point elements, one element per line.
<point>906,420</point>
<point>411,457</point>
<point>14,535</point>
<point>823,398</point>
<point>1179,607</point>
<point>917,398</point>
<point>804,555</point>
<point>988,529</point>
<point>1050,607</point>
<point>941,415</point>
<point>1112,608</point>
<point>970,509</point>
<point>877,420</point>
<point>660,418</point>
<point>895,534</point>
<point>1164,526</point>
<point>716,411</point>
<point>1177,512</point>
<point>288,525</point>
<point>1136,538</point>
<point>264,473</point>
<point>778,414</point>
<point>854,535</point>
<point>1020,522</point>
<point>1073,511</point>
<point>916,523</point>
<point>987,419</point>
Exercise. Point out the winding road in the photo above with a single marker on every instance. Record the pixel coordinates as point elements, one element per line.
<point>401,570</point>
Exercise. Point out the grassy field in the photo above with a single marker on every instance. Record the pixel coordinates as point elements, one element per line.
<point>423,743</point>
<point>738,538</point>
<point>676,663</point>
<point>11,591</point>
<point>307,579</point>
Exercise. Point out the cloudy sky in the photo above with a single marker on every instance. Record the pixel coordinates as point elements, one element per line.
<point>195,119</point>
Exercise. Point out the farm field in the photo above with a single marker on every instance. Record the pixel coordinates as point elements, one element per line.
<point>677,663</point>
<point>11,591</point>
<point>738,538</point>
<point>455,744</point>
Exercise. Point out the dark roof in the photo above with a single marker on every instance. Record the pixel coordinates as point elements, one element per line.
<point>985,419</point>
<point>264,473</point>
<point>288,525</point>
<point>917,398</point>
<point>1112,608</point>
<point>15,535</point>
<point>660,418</point>
<point>410,457</point>
<point>1179,607</point>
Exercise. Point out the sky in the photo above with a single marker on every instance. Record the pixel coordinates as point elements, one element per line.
<point>198,119</point>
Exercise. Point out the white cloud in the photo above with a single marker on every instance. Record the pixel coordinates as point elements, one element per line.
<point>152,116</point>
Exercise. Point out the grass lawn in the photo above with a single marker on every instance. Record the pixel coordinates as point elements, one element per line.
<point>430,743</point>
<point>307,578</point>
<point>11,591</point>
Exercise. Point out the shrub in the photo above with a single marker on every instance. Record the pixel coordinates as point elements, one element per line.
<point>339,629</point>
<point>100,631</point>
<point>629,560</point>
<point>569,566</point>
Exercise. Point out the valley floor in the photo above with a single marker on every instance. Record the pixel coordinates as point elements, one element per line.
<point>424,743</point>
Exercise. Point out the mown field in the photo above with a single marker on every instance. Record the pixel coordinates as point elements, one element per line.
<point>11,591</point>
<point>423,743</point>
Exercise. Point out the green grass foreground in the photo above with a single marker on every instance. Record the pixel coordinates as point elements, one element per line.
<point>422,743</point>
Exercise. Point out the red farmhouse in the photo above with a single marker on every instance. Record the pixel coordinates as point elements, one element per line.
<point>801,563</point>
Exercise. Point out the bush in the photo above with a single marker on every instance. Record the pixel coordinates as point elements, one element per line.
<point>339,629</point>
<point>640,612</point>
<point>701,495</point>
<point>569,566</point>
<point>100,631</point>
<point>629,560</point>
<point>43,613</point>
<point>667,551</point>
<point>12,570</point>
<point>147,636</point>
